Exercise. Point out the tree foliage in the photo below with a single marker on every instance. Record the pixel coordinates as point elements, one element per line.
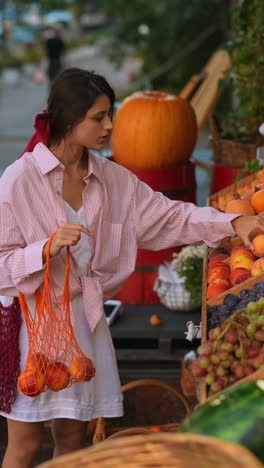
<point>181,35</point>
<point>246,76</point>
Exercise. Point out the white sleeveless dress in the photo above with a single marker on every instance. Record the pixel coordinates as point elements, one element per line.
<point>83,401</point>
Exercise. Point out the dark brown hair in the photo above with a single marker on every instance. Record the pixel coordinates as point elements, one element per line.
<point>72,94</point>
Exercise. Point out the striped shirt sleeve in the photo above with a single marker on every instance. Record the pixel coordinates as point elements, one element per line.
<point>23,265</point>
<point>162,223</point>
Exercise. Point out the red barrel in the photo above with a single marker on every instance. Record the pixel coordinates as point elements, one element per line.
<point>222,176</point>
<point>177,183</point>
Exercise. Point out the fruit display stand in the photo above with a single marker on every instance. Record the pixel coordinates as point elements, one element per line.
<point>259,374</point>
<point>243,186</point>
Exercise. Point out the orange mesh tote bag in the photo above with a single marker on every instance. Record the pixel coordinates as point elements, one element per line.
<point>55,360</point>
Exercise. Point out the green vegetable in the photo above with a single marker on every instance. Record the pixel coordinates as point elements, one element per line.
<point>236,415</point>
<point>192,272</point>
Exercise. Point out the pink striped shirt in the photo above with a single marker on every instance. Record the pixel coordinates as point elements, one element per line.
<point>122,212</point>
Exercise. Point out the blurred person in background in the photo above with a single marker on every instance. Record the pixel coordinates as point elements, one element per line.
<point>54,49</point>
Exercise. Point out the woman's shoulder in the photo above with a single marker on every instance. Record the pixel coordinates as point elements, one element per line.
<point>109,169</point>
<point>16,176</point>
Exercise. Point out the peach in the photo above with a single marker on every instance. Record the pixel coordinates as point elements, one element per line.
<point>235,242</point>
<point>217,288</point>
<point>221,203</point>
<point>241,257</point>
<point>238,275</point>
<point>31,383</point>
<point>215,265</point>
<point>241,262</point>
<point>242,207</point>
<point>58,376</point>
<point>240,250</point>
<point>257,267</point>
<point>232,196</point>
<point>82,369</point>
<point>221,281</point>
<point>258,244</point>
<point>218,270</point>
<point>260,174</point>
<point>217,251</point>
<point>217,258</point>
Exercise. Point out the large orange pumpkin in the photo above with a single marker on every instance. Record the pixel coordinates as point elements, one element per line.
<point>153,130</point>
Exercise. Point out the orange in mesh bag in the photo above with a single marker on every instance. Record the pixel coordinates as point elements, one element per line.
<point>55,360</point>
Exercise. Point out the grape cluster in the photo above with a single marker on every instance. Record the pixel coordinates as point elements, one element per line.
<point>234,349</point>
<point>219,313</point>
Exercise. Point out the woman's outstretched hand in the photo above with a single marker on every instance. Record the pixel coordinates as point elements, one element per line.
<point>247,227</point>
<point>67,235</point>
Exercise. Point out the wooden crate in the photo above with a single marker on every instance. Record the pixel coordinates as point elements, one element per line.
<point>248,284</point>
<point>259,374</point>
<point>232,188</point>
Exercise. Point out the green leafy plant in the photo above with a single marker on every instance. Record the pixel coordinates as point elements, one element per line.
<point>245,77</point>
<point>189,265</point>
<point>192,272</point>
<point>249,167</point>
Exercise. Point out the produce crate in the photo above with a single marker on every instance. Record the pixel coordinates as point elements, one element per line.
<point>210,202</point>
<point>248,284</point>
<point>259,374</point>
<point>234,187</point>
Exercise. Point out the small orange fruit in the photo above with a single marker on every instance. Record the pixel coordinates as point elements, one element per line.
<point>242,207</point>
<point>155,320</point>
<point>258,243</point>
<point>257,201</point>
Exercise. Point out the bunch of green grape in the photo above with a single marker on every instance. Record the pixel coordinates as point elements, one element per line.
<point>234,349</point>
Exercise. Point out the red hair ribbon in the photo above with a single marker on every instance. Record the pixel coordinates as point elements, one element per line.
<point>42,134</point>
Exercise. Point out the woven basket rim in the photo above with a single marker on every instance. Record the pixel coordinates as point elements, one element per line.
<point>115,448</point>
<point>232,153</point>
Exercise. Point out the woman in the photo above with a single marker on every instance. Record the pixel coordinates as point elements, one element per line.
<point>59,186</point>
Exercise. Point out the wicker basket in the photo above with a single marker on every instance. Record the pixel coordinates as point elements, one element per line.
<point>231,153</point>
<point>148,404</point>
<point>188,381</point>
<point>160,450</point>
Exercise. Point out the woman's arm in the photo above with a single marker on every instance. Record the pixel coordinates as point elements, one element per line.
<point>162,223</point>
<point>21,265</point>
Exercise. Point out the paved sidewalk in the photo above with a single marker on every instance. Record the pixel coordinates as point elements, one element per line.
<point>19,103</point>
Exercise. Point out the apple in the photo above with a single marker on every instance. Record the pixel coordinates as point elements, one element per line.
<point>31,383</point>
<point>58,376</point>
<point>82,369</point>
